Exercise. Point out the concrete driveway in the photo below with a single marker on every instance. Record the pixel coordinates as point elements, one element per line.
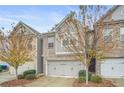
<point>51,82</point>
<point>118,81</point>
<point>5,76</point>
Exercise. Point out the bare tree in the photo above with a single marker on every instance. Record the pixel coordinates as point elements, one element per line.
<point>84,37</point>
<point>14,48</point>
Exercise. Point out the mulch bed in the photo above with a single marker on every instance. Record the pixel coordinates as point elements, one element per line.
<point>16,83</point>
<point>105,83</point>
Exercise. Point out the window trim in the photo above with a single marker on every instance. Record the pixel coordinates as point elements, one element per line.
<point>105,29</point>
<point>50,42</point>
<point>49,46</point>
<point>121,34</point>
<point>60,53</point>
<point>122,12</point>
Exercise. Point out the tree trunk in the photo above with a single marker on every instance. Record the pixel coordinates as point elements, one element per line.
<point>16,72</point>
<point>87,75</point>
<point>86,67</point>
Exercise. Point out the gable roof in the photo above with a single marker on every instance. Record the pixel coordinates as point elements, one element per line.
<point>71,14</point>
<point>28,27</point>
<point>111,10</point>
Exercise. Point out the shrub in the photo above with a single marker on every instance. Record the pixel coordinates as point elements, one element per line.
<point>30,77</point>
<point>29,72</point>
<point>20,76</point>
<point>96,79</point>
<point>1,68</point>
<point>82,73</point>
<point>90,75</point>
<point>81,79</point>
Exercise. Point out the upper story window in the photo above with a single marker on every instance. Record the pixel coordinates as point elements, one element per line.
<point>107,35</point>
<point>122,12</point>
<point>69,39</point>
<point>69,42</point>
<point>51,42</point>
<point>30,46</point>
<point>122,34</point>
<point>65,42</point>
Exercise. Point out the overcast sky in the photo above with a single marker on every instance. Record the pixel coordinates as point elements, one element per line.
<point>42,18</point>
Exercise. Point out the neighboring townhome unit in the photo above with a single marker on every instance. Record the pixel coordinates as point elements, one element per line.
<point>36,46</point>
<point>113,22</point>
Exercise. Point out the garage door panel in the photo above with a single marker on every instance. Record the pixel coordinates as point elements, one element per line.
<point>112,68</point>
<point>52,69</point>
<point>64,68</point>
<point>120,69</point>
<point>60,70</point>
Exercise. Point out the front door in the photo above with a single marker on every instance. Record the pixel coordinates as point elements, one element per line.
<point>92,67</point>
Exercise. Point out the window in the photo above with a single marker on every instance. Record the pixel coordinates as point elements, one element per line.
<point>73,41</point>
<point>50,42</point>
<point>69,39</point>
<point>122,12</point>
<point>108,35</point>
<point>30,46</point>
<point>69,42</point>
<point>65,42</point>
<point>122,34</point>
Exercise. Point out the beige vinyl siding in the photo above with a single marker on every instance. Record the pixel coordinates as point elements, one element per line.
<point>21,69</point>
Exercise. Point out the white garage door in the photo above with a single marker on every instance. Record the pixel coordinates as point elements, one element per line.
<point>113,68</point>
<point>66,68</point>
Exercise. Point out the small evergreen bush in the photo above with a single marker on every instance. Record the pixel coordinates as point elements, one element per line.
<point>81,79</point>
<point>20,76</point>
<point>96,79</point>
<point>82,73</point>
<point>30,77</point>
<point>29,72</point>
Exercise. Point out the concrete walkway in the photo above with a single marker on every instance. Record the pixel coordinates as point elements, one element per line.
<point>51,82</point>
<point>118,81</point>
<point>5,76</point>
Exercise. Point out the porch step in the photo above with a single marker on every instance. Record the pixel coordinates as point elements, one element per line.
<point>40,75</point>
